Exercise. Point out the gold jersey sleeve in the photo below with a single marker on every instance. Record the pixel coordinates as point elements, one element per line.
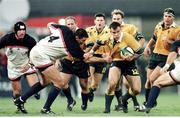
<point>164,38</point>
<point>130,28</point>
<point>175,33</point>
<point>92,36</point>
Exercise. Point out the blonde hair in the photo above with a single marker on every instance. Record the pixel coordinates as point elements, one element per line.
<point>70,17</point>
<point>117,11</point>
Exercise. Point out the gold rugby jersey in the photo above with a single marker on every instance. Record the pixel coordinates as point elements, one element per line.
<point>124,41</point>
<point>164,38</point>
<point>129,28</point>
<point>94,36</point>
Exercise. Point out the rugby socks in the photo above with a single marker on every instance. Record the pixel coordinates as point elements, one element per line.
<point>118,95</point>
<point>126,96</point>
<point>154,93</point>
<point>108,101</point>
<point>51,97</point>
<point>91,90</point>
<point>135,102</point>
<point>67,93</point>
<point>84,98</point>
<point>16,96</point>
<point>147,94</point>
<point>34,89</point>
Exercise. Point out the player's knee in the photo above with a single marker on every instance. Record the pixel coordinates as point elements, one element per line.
<point>147,84</point>
<point>17,92</point>
<point>118,87</point>
<point>83,86</point>
<point>157,83</point>
<point>66,86</point>
<point>95,85</point>
<point>84,90</point>
<point>112,84</point>
<point>136,91</point>
<point>44,83</point>
<point>110,91</point>
<point>151,80</point>
<point>60,85</point>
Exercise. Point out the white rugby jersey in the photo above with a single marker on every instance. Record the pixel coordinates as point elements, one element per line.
<point>17,52</point>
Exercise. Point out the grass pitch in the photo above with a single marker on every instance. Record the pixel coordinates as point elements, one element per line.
<point>168,105</point>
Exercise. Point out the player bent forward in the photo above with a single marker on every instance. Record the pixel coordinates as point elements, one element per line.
<point>59,44</point>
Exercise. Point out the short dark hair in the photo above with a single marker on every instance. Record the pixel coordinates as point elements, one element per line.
<point>170,11</point>
<point>81,33</point>
<point>114,25</point>
<point>100,15</point>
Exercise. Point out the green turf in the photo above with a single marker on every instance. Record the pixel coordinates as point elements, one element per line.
<point>168,105</point>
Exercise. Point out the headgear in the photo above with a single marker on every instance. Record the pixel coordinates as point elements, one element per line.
<point>169,11</point>
<point>19,26</point>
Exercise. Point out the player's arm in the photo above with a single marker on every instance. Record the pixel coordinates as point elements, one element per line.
<point>138,53</point>
<point>96,46</point>
<point>93,49</point>
<point>140,38</point>
<point>134,44</point>
<point>99,42</point>
<point>172,56</point>
<point>142,41</point>
<point>148,47</point>
<point>105,58</point>
<point>4,41</point>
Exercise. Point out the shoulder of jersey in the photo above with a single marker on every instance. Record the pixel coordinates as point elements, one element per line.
<point>159,25</point>
<point>129,25</point>
<point>125,33</point>
<point>106,30</point>
<point>90,28</point>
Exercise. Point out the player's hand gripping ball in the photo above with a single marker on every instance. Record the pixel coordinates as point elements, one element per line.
<point>126,52</point>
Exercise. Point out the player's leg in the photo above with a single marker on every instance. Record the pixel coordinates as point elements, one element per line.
<point>96,79</point>
<point>33,79</point>
<point>67,91</point>
<point>90,81</point>
<point>66,69</point>
<point>118,94</point>
<point>51,73</point>
<point>151,66</point>
<point>162,81</point>
<point>113,78</point>
<point>147,85</point>
<point>22,99</point>
<point>94,85</point>
<point>91,71</point>
<point>81,69</point>
<point>16,89</point>
<point>134,98</point>
<point>84,93</point>
<point>135,88</point>
<point>155,74</point>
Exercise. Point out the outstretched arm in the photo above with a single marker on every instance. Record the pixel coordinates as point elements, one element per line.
<point>105,58</point>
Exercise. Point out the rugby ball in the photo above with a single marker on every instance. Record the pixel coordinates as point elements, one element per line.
<point>126,52</point>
